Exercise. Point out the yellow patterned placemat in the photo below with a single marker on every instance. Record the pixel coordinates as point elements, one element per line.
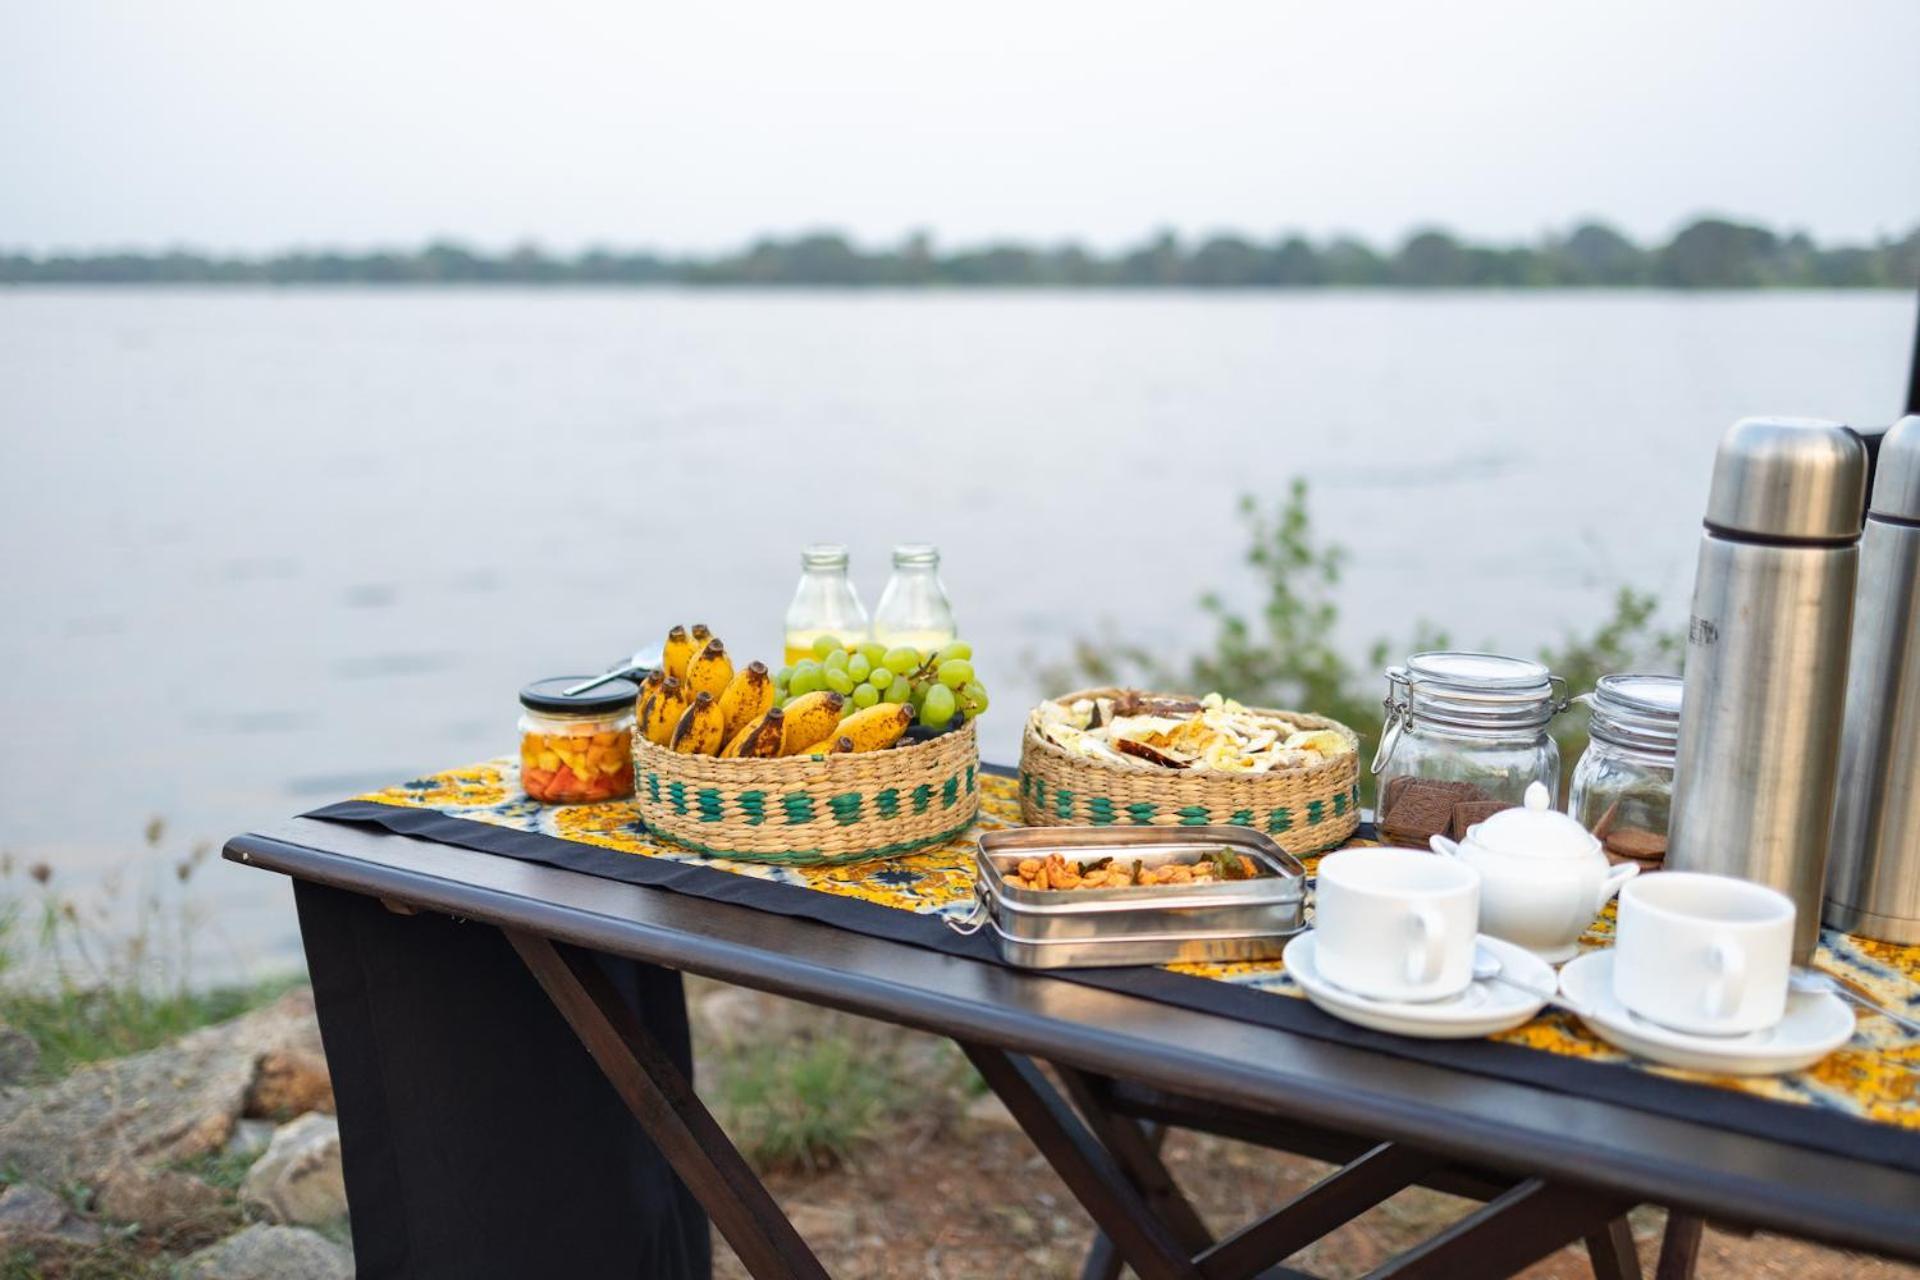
<point>1876,1076</point>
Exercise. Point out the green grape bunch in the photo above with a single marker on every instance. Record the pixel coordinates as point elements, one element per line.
<point>941,686</point>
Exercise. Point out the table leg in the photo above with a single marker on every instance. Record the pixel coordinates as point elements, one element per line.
<point>1321,1209</point>
<point>670,1112</point>
<point>1611,1254</point>
<point>1522,1226</point>
<point>1136,1147</point>
<point>1680,1247</point>
<point>1096,1179</point>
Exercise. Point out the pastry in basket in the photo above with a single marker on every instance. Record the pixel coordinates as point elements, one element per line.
<point>1206,734</point>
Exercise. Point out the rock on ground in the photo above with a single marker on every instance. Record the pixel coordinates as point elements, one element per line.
<point>31,1215</point>
<point>270,1253</point>
<point>299,1179</point>
<point>250,1138</point>
<point>155,1108</point>
<point>289,1083</point>
<point>19,1055</point>
<point>156,1197</point>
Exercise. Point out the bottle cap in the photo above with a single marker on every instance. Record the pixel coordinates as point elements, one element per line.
<point>1896,484</point>
<point>1797,479</point>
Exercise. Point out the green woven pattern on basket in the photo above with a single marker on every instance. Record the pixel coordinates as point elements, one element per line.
<point>1316,810</point>
<point>653,787</point>
<point>754,805</point>
<point>1040,793</point>
<point>709,801</point>
<point>1142,811</point>
<point>799,807</point>
<point>949,792</point>
<point>677,796</point>
<point>1280,820</point>
<point>1195,815</point>
<point>1100,809</point>
<point>1242,818</point>
<point>922,797</point>
<point>846,807</point>
<point>887,801</point>
<point>814,857</point>
<point>969,779</point>
<point>1340,805</point>
<point>1063,803</point>
<point>1026,783</point>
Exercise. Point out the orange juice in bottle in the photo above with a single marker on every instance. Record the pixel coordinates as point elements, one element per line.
<point>824,604</point>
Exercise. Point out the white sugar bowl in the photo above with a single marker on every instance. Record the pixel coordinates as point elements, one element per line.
<point>1543,877</point>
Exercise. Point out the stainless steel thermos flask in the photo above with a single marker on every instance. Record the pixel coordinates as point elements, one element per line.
<point>1873,875</point>
<point>1766,664</point>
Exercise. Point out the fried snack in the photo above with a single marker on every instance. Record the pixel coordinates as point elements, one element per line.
<point>1054,872</point>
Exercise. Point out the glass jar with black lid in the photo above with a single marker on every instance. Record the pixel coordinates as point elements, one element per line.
<point>577,748</point>
<point>1622,787</point>
<point>1465,735</point>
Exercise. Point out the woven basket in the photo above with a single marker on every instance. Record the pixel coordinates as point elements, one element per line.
<point>1304,810</point>
<point>811,810</point>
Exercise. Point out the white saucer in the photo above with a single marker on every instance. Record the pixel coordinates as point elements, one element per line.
<point>1814,1026</point>
<point>1482,1009</point>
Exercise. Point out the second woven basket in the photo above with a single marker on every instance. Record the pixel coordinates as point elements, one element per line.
<point>1305,810</point>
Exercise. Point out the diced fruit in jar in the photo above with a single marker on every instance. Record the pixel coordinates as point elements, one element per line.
<point>577,768</point>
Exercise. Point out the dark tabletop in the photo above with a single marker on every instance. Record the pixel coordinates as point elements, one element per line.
<point>1478,1120</point>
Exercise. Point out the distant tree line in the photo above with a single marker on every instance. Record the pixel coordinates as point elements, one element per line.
<point>1710,253</point>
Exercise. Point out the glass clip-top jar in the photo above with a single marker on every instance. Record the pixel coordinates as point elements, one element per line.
<point>577,748</point>
<point>1622,788</point>
<point>914,609</point>
<point>824,604</point>
<point>1465,735</point>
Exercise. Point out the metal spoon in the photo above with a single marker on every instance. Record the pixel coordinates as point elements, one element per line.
<point>645,660</point>
<point>1811,981</point>
<point>1488,968</point>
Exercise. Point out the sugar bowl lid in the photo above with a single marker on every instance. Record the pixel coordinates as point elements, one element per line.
<point>1536,829</point>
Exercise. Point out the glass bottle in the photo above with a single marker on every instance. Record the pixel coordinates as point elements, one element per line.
<point>914,609</point>
<point>1465,734</point>
<point>1623,786</point>
<point>824,604</point>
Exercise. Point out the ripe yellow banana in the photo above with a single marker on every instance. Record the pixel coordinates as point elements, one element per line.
<point>877,727</point>
<point>747,696</point>
<point>699,635</point>
<point>709,671</point>
<point>760,738</point>
<point>810,718</point>
<point>663,713</point>
<point>674,654</point>
<point>702,729</point>
<point>649,686</point>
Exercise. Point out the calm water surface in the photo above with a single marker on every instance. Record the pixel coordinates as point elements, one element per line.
<point>266,549</point>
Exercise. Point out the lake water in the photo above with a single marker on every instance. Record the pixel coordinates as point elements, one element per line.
<point>267,549</point>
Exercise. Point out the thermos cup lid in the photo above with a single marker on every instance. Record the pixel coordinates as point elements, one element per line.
<point>1799,479</point>
<point>1896,483</point>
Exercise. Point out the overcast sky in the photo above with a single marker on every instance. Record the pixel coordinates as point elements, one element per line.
<point>264,124</point>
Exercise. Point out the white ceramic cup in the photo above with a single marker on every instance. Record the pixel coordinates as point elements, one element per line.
<point>1708,955</point>
<point>1395,924</point>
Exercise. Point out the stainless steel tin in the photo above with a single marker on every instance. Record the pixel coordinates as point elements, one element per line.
<point>1766,666</point>
<point>1873,879</point>
<point>1086,928</point>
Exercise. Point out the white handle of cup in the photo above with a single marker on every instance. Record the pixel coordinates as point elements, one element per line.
<point>1730,964</point>
<point>1423,965</point>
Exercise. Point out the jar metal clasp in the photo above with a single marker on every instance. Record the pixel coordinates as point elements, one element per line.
<point>1399,709</point>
